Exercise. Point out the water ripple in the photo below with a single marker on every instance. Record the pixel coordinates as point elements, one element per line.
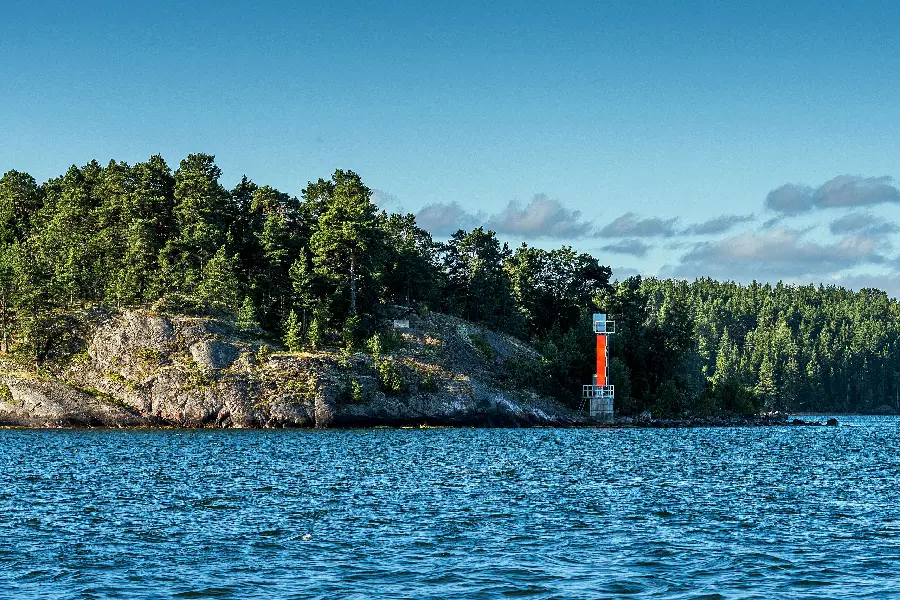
<point>451,513</point>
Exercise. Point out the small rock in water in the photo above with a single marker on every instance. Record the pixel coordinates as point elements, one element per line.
<point>832,422</point>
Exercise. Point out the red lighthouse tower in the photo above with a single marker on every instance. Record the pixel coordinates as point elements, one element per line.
<point>600,395</point>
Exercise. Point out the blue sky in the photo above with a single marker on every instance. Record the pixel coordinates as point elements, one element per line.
<point>658,137</point>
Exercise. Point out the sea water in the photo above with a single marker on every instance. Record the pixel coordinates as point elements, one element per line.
<point>759,512</point>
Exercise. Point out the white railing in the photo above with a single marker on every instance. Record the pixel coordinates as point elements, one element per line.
<point>604,326</point>
<point>598,391</point>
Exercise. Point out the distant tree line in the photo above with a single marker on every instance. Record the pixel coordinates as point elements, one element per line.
<point>707,347</point>
<point>312,272</point>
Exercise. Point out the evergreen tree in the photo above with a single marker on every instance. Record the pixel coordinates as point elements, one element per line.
<point>246,317</point>
<point>20,200</point>
<point>303,287</point>
<point>201,206</point>
<point>9,290</point>
<point>219,289</point>
<point>346,244</point>
<point>293,333</point>
<point>317,331</point>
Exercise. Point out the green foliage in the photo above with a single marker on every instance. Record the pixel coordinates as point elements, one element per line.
<point>390,379</point>
<point>5,393</point>
<point>198,376</point>
<point>352,332</point>
<point>318,332</point>
<point>429,382</point>
<point>477,287</point>
<point>150,357</point>
<point>246,317</point>
<point>374,346</point>
<point>383,343</point>
<point>176,303</point>
<point>346,246</point>
<point>554,288</point>
<point>130,235</point>
<point>219,290</point>
<point>356,391</point>
<point>263,353</point>
<point>482,345</point>
<point>293,333</point>
<point>122,380</point>
<point>409,272</point>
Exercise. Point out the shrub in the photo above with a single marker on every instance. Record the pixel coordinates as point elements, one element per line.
<point>177,303</point>
<point>351,332</point>
<point>374,346</point>
<point>429,382</point>
<point>356,391</point>
<point>150,357</point>
<point>263,354</point>
<point>389,378</point>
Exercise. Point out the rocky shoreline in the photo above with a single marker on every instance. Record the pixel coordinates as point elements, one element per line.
<point>146,369</point>
<point>141,369</point>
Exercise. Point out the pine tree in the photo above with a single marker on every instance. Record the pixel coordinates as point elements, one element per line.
<point>302,284</point>
<point>201,205</point>
<point>246,317</point>
<point>317,331</point>
<point>765,388</point>
<point>293,333</point>
<point>346,245</point>
<point>219,288</point>
<point>9,290</point>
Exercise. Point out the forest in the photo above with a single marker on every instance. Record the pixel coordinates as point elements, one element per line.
<point>311,273</point>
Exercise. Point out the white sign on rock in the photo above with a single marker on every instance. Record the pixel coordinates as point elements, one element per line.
<point>401,323</point>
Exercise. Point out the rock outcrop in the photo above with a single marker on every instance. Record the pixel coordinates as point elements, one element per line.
<point>142,369</point>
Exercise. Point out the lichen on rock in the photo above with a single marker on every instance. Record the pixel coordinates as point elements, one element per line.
<point>148,369</point>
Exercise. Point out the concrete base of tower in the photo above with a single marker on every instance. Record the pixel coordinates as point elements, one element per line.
<point>602,409</point>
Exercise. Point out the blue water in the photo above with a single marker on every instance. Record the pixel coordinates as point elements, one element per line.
<point>452,513</point>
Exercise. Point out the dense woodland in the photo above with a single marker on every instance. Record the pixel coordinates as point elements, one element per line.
<point>312,272</point>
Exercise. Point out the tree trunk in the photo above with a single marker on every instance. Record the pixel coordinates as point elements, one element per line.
<point>352,285</point>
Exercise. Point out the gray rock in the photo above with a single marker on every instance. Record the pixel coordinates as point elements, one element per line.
<point>142,369</point>
<point>55,404</point>
<point>214,354</point>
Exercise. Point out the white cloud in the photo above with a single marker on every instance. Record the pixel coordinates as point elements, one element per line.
<point>630,225</point>
<point>630,246</point>
<point>775,254</point>
<point>842,191</point>
<point>862,223</point>
<point>444,219</point>
<point>717,225</point>
<point>542,217</point>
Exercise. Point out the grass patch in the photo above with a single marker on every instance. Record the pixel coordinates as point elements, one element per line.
<point>103,397</point>
<point>480,343</point>
<point>122,380</point>
<point>150,357</point>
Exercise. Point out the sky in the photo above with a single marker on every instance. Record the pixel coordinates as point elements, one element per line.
<point>668,139</point>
